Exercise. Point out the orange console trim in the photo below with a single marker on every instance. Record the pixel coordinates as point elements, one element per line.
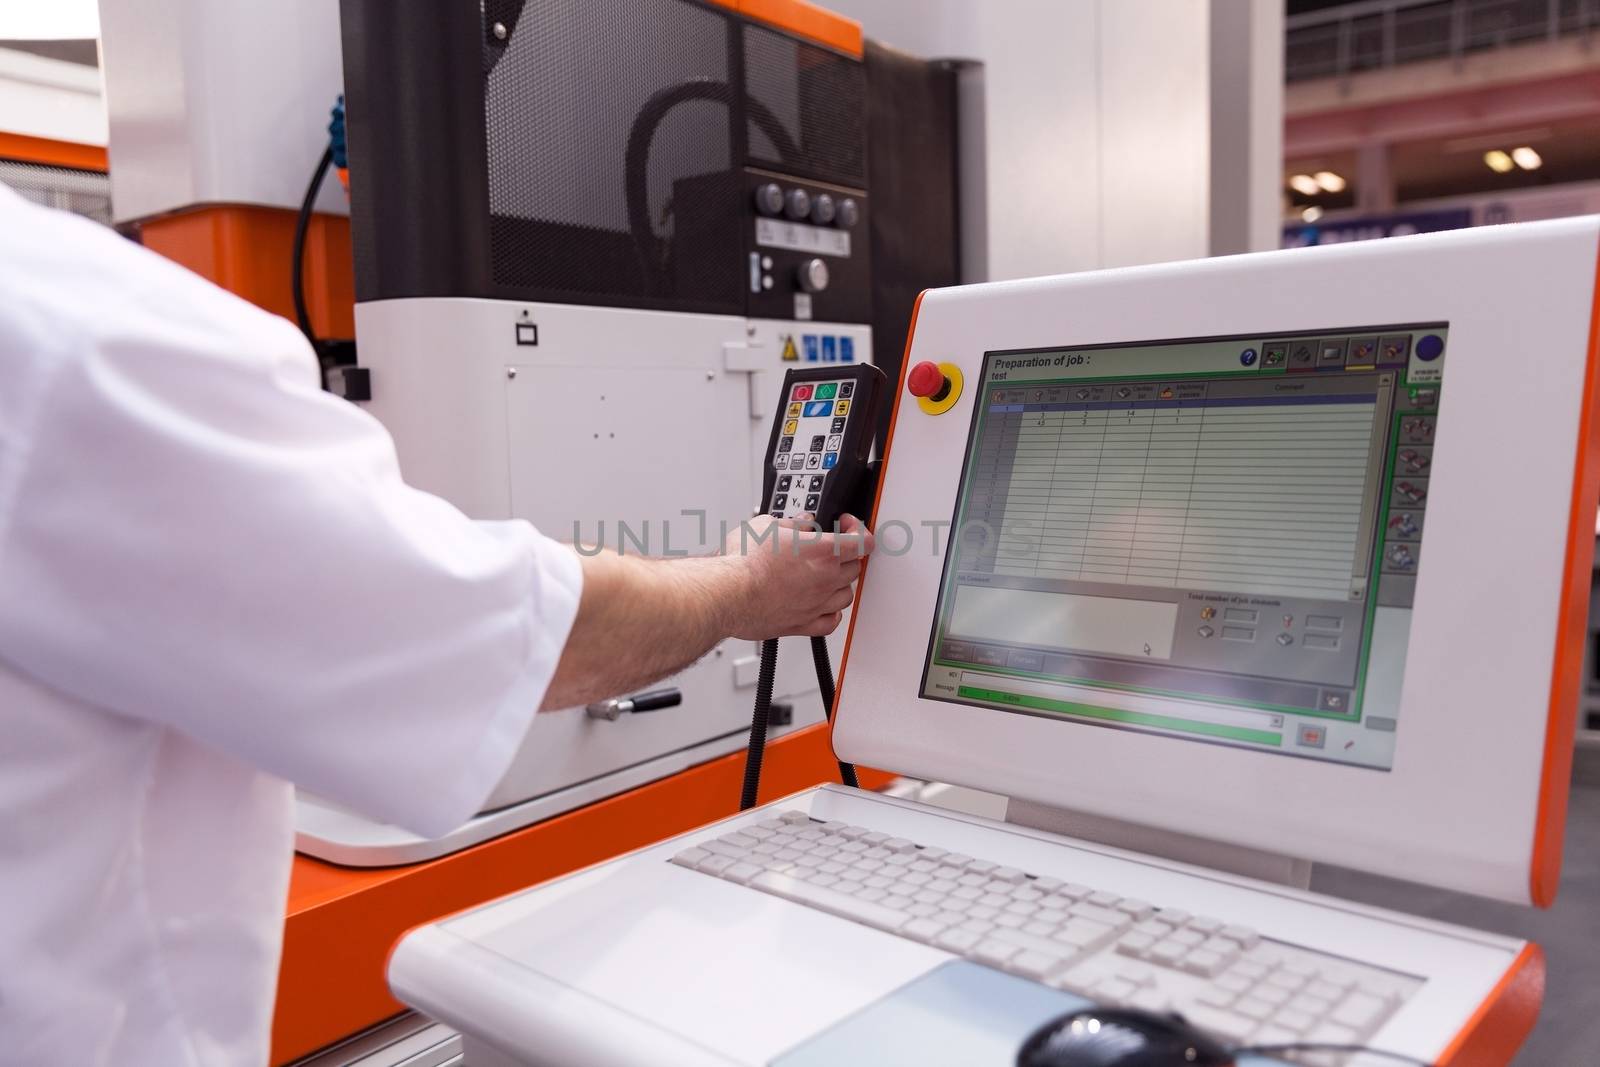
<point>1505,1018</point>
<point>1571,629</point>
<point>52,153</point>
<point>342,922</point>
<point>803,19</point>
<point>246,249</point>
<point>877,497</point>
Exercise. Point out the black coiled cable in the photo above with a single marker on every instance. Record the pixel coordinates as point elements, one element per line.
<point>758,723</point>
<point>761,715</point>
<point>819,656</point>
<point>302,222</point>
<point>653,250</point>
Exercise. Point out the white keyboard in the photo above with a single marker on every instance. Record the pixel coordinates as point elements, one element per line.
<point>1223,977</point>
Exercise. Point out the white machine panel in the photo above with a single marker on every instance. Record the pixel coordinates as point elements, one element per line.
<point>594,424</point>
<point>1450,792</point>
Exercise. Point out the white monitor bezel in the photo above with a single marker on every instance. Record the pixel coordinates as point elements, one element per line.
<point>1471,809</point>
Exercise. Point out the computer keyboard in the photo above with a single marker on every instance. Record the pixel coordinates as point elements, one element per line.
<point>1223,977</point>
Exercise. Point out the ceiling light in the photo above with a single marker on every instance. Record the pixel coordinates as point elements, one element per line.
<point>57,20</point>
<point>1329,181</point>
<point>1305,185</point>
<point>1526,158</point>
<point>1312,213</point>
<point>1498,161</point>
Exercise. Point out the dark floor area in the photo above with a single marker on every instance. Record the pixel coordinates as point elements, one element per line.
<point>1568,1032</point>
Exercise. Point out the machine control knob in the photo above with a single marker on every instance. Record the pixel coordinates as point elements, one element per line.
<point>798,204</point>
<point>769,199</point>
<point>822,209</point>
<point>812,274</point>
<point>849,212</point>
<point>927,380</point>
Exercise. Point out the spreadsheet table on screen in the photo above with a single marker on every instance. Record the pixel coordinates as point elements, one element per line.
<point>1215,538</point>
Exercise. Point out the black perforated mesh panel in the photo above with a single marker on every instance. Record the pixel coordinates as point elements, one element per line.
<point>819,99</point>
<point>83,192</point>
<point>604,123</point>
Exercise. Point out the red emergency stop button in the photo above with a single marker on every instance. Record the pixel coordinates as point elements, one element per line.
<point>927,380</point>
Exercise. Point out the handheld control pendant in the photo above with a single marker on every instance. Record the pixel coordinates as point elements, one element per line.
<point>817,457</point>
<point>817,465</point>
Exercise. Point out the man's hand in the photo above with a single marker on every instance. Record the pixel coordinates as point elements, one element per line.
<point>797,579</point>
<point>642,619</point>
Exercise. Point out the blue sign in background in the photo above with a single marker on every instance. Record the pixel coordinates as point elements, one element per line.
<point>1375,226</point>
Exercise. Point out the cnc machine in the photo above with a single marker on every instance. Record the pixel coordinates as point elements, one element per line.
<point>583,259</point>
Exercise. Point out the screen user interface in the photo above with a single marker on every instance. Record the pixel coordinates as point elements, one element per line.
<point>1213,539</point>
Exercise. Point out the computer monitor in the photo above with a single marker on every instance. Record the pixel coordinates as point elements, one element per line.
<point>1162,559</point>
<point>1215,539</point>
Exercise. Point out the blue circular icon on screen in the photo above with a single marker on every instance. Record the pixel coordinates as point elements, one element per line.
<point>1248,357</point>
<point>1429,347</point>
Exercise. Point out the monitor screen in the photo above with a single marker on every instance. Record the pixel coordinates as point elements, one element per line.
<point>1213,539</point>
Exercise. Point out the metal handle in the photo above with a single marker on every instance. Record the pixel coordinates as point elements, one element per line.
<point>614,708</point>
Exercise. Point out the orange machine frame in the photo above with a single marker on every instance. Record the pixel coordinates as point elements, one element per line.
<point>52,153</point>
<point>803,19</point>
<point>247,250</point>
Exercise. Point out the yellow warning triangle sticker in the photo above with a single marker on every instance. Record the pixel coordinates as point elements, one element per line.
<point>790,353</point>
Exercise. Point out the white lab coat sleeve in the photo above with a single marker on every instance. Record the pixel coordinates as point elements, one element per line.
<point>194,535</point>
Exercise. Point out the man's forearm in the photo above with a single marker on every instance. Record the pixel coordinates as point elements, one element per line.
<point>641,619</point>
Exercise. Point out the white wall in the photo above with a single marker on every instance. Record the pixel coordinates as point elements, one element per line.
<point>52,98</point>
<point>1154,76</point>
<point>218,102</point>
<point>1097,119</point>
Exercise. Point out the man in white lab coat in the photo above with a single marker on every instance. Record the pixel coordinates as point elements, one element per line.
<point>214,583</point>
